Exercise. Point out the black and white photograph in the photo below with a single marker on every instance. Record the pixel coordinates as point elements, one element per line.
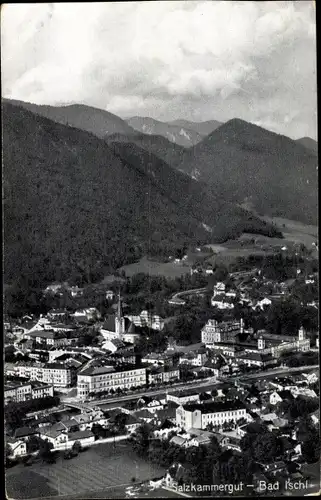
<point>160,250</point>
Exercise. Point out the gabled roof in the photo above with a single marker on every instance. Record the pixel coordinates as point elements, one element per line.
<point>25,431</point>
<point>178,440</point>
<point>73,436</point>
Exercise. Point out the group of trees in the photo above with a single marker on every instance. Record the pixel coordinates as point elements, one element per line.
<point>300,359</point>
<point>204,464</point>
<point>15,413</point>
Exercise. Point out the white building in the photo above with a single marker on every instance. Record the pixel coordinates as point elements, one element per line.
<point>59,375</point>
<point>95,379</point>
<point>201,415</point>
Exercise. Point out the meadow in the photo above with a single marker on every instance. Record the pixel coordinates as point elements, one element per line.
<point>100,469</point>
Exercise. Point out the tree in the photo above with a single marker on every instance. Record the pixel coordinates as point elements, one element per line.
<point>310,447</point>
<point>141,439</point>
<point>45,452</point>
<point>76,447</point>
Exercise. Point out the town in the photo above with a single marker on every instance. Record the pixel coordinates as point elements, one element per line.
<point>207,379</point>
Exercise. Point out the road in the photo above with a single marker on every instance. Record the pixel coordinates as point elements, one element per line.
<point>200,384</point>
<point>179,295</point>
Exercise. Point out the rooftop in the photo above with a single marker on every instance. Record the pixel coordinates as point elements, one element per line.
<point>215,407</point>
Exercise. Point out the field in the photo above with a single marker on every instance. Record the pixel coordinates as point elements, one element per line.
<point>101,469</point>
<point>154,268</point>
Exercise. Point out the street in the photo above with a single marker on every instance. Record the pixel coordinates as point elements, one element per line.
<point>200,385</point>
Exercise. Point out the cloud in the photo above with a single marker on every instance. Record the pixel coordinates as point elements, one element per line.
<point>194,60</point>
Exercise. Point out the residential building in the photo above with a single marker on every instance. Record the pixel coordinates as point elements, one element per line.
<point>183,397</point>
<point>161,374</point>
<point>95,379</point>
<point>17,391</point>
<point>17,447</point>
<point>147,319</point>
<point>194,358</point>
<point>216,413</point>
<point>60,375</point>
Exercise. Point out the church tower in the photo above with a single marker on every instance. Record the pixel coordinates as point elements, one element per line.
<point>119,319</point>
<point>301,333</point>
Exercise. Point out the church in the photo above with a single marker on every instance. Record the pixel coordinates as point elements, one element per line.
<point>119,327</point>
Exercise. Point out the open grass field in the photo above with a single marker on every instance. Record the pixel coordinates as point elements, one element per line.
<point>154,268</point>
<point>104,470</point>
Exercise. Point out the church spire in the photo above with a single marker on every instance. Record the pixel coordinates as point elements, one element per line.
<point>119,307</point>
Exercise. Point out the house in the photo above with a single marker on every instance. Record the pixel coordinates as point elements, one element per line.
<point>222,302</point>
<point>174,476</point>
<point>165,429</point>
<point>162,374</point>
<point>75,291</point>
<point>262,304</point>
<point>86,438</point>
<point>113,345</point>
<point>278,396</point>
<point>24,433</point>
<point>58,438</point>
<point>273,468</point>
<point>183,396</point>
<point>90,313</point>
<point>110,295</point>
<point>315,416</point>
<point>17,447</point>
<point>144,415</point>
<point>131,423</point>
<point>194,358</point>
<point>179,441</point>
<point>57,314</point>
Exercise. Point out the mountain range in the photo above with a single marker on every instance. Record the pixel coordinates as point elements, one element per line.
<point>246,163</point>
<point>94,120</point>
<point>181,132</point>
<point>78,206</point>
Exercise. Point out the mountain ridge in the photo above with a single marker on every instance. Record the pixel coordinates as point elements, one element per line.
<point>245,161</point>
<point>84,207</point>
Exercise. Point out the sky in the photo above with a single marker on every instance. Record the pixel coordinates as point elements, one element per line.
<point>198,60</point>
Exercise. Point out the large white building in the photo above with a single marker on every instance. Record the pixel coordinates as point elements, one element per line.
<point>214,332</point>
<point>201,415</point>
<point>225,337</point>
<point>95,379</point>
<point>59,375</point>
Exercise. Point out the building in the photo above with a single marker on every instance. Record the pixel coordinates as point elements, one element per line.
<point>15,392</point>
<point>95,379</point>
<point>214,332</point>
<point>194,358</point>
<point>215,413</point>
<point>222,302</point>
<point>60,375</point>
<point>162,374</point>
<point>90,313</point>
<point>75,291</point>
<point>165,358</point>
<point>183,397</point>
<point>147,319</point>
<point>232,339</point>
<point>262,304</point>
<point>17,447</point>
<point>110,295</point>
<point>120,327</point>
<point>256,359</point>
